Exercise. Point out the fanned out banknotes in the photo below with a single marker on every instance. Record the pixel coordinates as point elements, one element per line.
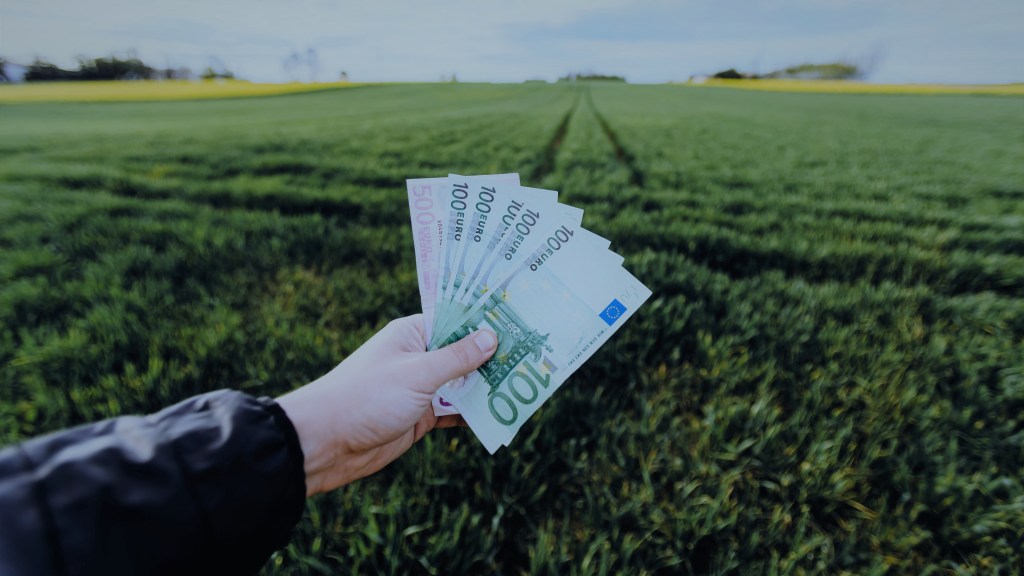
<point>493,254</point>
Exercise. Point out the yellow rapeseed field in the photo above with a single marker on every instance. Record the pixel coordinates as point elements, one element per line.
<point>112,91</point>
<point>849,87</point>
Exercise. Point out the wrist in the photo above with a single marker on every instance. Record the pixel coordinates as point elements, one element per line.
<point>318,454</point>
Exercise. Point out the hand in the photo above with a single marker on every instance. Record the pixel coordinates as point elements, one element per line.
<point>372,407</point>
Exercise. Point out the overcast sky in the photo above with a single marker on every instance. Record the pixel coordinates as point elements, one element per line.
<point>979,41</point>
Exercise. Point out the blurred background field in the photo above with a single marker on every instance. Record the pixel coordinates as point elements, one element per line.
<point>829,377</point>
<point>851,87</point>
<point>118,91</point>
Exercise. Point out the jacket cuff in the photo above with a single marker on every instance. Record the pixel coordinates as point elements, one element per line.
<point>297,460</point>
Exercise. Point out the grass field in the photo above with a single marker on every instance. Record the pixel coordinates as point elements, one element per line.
<point>151,90</point>
<point>852,87</point>
<point>828,379</point>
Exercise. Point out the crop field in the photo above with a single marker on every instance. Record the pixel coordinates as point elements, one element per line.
<point>151,90</point>
<point>853,87</point>
<point>828,379</point>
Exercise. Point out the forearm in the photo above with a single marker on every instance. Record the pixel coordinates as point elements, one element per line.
<point>217,479</point>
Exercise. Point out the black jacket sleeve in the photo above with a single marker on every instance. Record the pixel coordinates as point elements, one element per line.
<point>212,485</point>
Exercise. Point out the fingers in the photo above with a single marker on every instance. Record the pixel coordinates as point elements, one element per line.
<point>412,323</point>
<point>406,333</point>
<point>456,359</point>
<point>450,421</point>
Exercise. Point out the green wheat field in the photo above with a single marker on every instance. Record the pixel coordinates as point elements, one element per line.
<point>828,379</point>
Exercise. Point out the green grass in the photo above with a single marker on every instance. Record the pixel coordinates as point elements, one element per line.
<point>828,379</point>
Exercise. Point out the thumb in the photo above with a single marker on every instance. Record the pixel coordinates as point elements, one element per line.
<point>458,359</point>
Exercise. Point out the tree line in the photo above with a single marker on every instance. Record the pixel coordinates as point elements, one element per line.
<point>807,71</point>
<point>109,68</point>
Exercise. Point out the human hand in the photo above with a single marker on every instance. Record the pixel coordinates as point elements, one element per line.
<point>372,407</point>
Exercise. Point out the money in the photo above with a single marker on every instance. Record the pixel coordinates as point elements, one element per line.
<point>489,230</point>
<point>425,214</point>
<point>510,253</point>
<point>491,254</point>
<point>463,197</point>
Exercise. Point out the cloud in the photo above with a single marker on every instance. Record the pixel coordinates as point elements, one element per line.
<point>647,40</point>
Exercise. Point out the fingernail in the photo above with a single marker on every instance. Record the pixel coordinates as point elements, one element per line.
<point>485,340</point>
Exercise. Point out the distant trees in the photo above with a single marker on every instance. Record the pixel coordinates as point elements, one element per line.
<point>731,74</point>
<point>114,68</point>
<point>110,68</point>
<point>806,71</point>
<point>210,74</point>
<point>828,71</point>
<point>42,71</point>
<point>591,77</point>
<point>180,73</point>
<point>217,70</point>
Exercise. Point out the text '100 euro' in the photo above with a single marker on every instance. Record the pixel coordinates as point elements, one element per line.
<point>491,254</point>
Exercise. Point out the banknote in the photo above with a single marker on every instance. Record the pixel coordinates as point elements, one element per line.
<point>425,197</point>
<point>491,201</point>
<point>543,247</point>
<point>525,229</point>
<point>524,223</point>
<point>425,203</point>
<point>593,247</point>
<point>484,192</point>
<point>493,254</point>
<point>455,210</point>
<point>444,407</point>
<point>487,230</point>
<point>549,319</point>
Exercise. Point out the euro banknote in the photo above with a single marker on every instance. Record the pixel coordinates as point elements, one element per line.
<point>492,254</point>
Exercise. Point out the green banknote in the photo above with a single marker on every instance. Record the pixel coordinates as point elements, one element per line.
<point>489,230</point>
<point>523,230</point>
<point>550,317</point>
<point>459,199</point>
<point>493,254</point>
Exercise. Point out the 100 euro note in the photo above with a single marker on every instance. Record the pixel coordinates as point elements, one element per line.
<point>550,318</point>
<point>566,229</point>
<point>524,228</point>
<point>584,242</point>
<point>484,194</point>
<point>488,228</point>
<point>452,221</point>
<point>460,198</point>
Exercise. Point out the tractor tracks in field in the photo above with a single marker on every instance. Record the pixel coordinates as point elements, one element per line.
<point>622,154</point>
<point>549,155</point>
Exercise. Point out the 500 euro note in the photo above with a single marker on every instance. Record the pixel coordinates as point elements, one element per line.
<point>426,197</point>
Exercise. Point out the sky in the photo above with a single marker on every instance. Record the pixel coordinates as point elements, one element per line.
<point>921,41</point>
